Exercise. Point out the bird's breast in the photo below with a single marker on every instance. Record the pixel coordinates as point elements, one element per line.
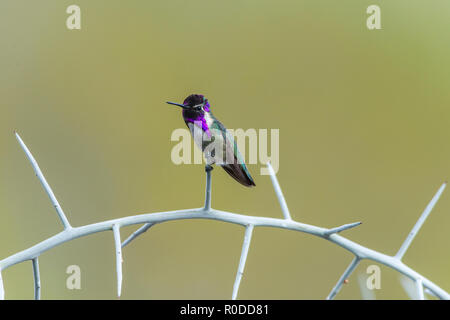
<point>203,122</point>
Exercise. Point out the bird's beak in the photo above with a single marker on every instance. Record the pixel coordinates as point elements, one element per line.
<point>178,104</point>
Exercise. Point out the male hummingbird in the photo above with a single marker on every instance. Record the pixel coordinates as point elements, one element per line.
<point>214,139</point>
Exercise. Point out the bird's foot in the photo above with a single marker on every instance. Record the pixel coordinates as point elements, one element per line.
<point>208,168</point>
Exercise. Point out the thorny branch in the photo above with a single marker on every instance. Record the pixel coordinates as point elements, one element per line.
<point>360,252</point>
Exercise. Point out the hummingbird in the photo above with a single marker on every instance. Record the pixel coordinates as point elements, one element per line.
<point>198,117</point>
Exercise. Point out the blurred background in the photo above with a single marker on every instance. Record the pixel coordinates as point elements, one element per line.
<point>364,124</point>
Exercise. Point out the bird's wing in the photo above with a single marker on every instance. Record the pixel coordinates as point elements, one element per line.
<point>233,162</point>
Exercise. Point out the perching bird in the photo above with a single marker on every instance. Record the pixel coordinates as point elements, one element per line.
<point>206,129</point>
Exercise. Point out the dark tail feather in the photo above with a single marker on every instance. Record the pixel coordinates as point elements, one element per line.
<point>238,173</point>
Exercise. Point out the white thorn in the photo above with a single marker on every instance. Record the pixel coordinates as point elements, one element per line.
<point>118,247</point>
<point>279,193</point>
<point>401,252</point>
<point>244,253</point>
<point>44,183</point>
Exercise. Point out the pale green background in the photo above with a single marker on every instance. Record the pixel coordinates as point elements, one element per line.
<point>364,136</point>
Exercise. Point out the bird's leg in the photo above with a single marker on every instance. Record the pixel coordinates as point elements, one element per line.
<point>208,169</point>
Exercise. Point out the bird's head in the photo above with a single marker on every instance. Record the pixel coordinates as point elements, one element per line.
<point>195,104</point>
